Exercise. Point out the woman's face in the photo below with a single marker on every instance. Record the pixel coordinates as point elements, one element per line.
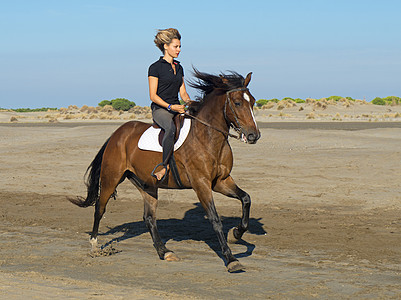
<point>174,48</point>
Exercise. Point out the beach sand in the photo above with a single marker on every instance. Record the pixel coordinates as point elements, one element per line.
<point>325,216</point>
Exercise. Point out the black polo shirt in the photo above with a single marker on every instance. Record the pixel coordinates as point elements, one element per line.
<point>169,83</point>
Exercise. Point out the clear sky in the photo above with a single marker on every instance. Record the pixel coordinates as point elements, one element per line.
<point>57,53</point>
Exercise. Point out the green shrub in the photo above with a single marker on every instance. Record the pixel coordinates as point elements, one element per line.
<point>261,102</point>
<point>378,101</point>
<point>118,104</point>
<point>299,100</point>
<point>349,98</point>
<point>335,98</point>
<point>393,100</point>
<point>288,98</point>
<point>104,103</point>
<point>122,104</point>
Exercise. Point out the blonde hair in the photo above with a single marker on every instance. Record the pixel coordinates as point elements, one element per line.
<point>165,37</point>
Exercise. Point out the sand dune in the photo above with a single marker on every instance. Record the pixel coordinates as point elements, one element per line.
<point>285,110</point>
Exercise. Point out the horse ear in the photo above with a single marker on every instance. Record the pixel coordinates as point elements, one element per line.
<point>248,79</point>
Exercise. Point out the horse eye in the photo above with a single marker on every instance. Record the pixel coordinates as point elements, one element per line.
<point>237,103</point>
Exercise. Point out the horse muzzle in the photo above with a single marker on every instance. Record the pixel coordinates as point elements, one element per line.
<point>251,137</point>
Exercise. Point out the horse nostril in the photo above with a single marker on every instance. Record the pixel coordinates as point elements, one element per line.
<point>251,137</point>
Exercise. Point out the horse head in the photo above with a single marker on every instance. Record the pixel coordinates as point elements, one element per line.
<point>238,111</point>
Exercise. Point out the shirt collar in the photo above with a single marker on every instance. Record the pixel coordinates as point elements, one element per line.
<point>165,61</point>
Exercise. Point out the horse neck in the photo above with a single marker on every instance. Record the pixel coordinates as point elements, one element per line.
<point>212,111</point>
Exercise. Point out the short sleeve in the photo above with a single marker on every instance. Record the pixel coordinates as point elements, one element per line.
<point>153,70</point>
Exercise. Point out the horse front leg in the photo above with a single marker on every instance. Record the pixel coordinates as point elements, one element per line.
<point>204,194</point>
<point>149,216</point>
<point>228,188</point>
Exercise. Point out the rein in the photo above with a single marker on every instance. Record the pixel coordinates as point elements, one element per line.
<point>236,128</point>
<point>211,126</point>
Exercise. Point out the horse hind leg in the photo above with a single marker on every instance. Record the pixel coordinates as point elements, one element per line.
<point>149,216</point>
<point>107,190</point>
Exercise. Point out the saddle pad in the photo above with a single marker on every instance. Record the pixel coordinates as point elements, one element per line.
<point>149,140</point>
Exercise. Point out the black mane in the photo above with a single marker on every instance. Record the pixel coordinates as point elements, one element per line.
<point>207,83</point>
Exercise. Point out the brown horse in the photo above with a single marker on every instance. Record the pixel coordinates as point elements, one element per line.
<point>204,161</point>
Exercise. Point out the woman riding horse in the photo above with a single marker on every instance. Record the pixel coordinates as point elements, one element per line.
<point>204,161</point>
<point>166,79</point>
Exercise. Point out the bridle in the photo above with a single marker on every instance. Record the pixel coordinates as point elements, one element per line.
<point>237,127</point>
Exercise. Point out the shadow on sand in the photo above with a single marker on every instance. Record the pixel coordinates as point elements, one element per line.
<point>193,226</point>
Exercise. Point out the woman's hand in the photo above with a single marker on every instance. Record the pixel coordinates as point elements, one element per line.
<point>178,108</point>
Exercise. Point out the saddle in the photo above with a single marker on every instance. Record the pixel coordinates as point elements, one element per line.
<point>178,122</point>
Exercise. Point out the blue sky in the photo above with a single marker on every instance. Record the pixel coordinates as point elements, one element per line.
<point>57,53</point>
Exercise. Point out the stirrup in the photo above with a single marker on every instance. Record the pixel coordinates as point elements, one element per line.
<point>165,174</point>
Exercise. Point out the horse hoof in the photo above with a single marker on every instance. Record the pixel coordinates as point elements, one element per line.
<point>230,236</point>
<point>94,245</point>
<point>170,256</point>
<point>235,266</point>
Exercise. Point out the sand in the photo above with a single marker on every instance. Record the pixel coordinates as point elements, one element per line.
<point>325,217</point>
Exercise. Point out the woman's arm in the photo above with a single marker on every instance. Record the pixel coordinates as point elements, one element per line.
<point>153,81</point>
<point>183,92</point>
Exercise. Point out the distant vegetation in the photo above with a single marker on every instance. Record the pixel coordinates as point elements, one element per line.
<point>118,104</point>
<point>30,109</point>
<point>391,100</point>
<point>125,104</point>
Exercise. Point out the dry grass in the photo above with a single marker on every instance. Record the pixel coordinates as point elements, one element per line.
<point>285,104</point>
<point>92,110</point>
<point>284,115</point>
<point>311,115</point>
<point>320,104</point>
<point>269,105</point>
<point>337,117</point>
<point>107,109</point>
<point>362,102</point>
<point>310,101</point>
<point>139,110</point>
<point>102,116</point>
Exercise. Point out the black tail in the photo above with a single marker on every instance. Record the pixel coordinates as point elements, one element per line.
<point>92,180</point>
